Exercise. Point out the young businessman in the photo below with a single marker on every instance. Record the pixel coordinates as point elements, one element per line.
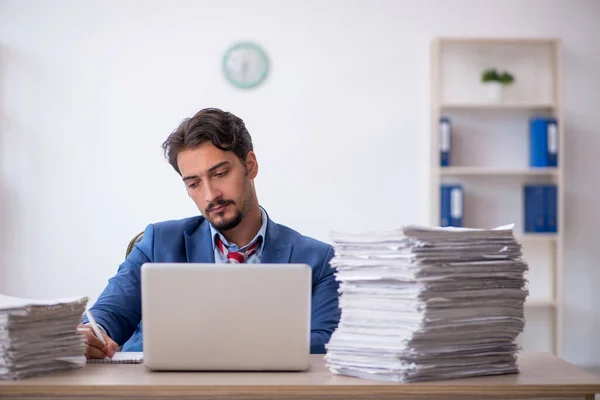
<point>213,153</point>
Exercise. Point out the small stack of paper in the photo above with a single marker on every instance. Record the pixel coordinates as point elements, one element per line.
<point>428,303</point>
<point>38,337</point>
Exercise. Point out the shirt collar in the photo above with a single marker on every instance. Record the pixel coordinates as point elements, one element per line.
<point>232,247</point>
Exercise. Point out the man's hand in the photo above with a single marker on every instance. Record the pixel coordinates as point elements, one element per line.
<point>95,348</point>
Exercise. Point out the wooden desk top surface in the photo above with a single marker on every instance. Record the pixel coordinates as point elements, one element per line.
<point>542,374</point>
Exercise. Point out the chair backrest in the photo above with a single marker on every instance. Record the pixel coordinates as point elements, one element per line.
<point>136,239</point>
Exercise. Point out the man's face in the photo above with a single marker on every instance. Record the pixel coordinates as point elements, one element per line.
<point>219,183</point>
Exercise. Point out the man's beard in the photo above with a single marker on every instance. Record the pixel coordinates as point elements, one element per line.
<point>227,224</point>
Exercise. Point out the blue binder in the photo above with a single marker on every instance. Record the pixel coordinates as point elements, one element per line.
<point>451,212</point>
<point>445,141</point>
<point>551,208</point>
<point>534,209</point>
<point>445,206</point>
<point>543,142</point>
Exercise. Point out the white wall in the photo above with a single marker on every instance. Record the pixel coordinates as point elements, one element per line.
<point>89,90</point>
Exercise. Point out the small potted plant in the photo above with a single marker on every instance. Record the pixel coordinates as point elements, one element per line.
<point>495,82</point>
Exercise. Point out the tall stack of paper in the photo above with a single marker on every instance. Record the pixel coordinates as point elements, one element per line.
<point>428,303</point>
<point>39,336</point>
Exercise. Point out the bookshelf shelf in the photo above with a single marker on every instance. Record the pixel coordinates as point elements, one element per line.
<point>536,237</point>
<point>494,106</point>
<point>540,304</point>
<point>489,149</point>
<point>497,41</point>
<point>493,171</point>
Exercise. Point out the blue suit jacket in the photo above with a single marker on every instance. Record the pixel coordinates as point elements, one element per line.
<point>118,309</point>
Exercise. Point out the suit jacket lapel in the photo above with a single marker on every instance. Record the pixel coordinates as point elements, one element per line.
<point>275,250</point>
<point>198,244</point>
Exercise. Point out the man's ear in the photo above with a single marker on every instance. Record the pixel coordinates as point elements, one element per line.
<point>251,165</point>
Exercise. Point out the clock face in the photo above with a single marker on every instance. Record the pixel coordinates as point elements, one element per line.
<point>245,65</point>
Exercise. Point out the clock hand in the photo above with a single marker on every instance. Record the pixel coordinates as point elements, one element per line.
<point>244,69</point>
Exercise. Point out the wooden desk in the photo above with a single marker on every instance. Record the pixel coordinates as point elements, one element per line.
<point>542,375</point>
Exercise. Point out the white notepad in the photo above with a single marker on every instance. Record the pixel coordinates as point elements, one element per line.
<point>121,357</point>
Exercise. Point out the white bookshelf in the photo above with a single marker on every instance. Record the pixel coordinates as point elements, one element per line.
<point>490,156</point>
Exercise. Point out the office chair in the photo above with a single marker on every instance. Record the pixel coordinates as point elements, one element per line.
<point>136,239</point>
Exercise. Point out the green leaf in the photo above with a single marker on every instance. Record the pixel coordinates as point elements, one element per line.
<point>507,78</point>
<point>490,75</point>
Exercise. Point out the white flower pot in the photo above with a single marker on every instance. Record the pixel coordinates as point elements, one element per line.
<point>494,91</point>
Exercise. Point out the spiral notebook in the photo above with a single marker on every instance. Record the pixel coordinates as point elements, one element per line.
<point>121,357</point>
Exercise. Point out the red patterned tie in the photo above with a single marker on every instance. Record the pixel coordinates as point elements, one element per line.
<point>238,257</point>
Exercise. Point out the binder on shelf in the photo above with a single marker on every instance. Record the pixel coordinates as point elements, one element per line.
<point>534,208</point>
<point>451,213</point>
<point>540,209</point>
<point>445,141</point>
<point>543,142</point>
<point>550,208</point>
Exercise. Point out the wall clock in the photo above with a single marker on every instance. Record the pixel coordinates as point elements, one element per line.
<point>245,65</point>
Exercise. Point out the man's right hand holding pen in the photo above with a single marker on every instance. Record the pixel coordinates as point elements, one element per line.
<point>99,344</point>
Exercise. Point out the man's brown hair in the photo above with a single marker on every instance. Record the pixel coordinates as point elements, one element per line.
<point>223,129</point>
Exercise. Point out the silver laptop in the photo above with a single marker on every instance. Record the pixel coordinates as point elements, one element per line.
<point>226,317</point>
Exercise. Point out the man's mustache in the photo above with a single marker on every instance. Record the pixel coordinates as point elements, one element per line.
<point>218,203</point>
